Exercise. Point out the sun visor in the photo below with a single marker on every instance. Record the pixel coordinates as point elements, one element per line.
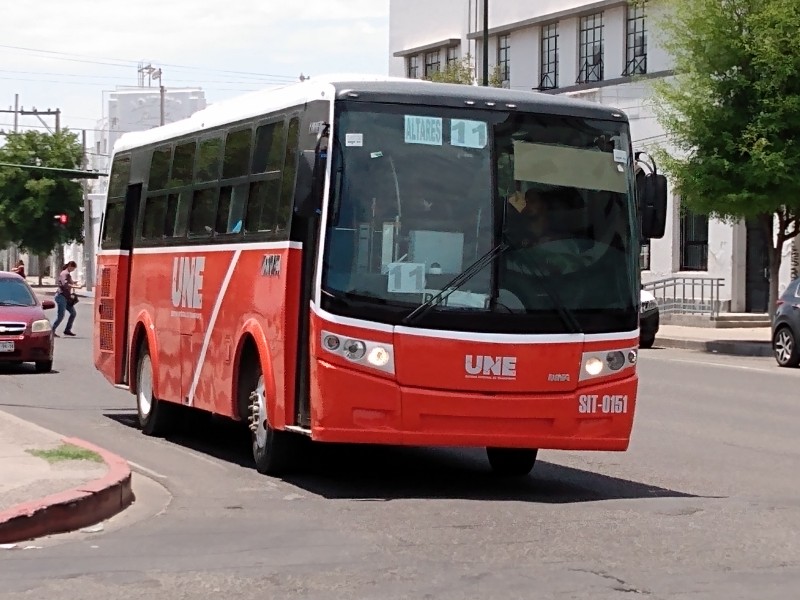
<point>570,167</point>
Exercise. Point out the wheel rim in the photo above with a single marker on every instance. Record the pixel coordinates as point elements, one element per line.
<point>258,410</point>
<point>784,346</point>
<point>145,395</point>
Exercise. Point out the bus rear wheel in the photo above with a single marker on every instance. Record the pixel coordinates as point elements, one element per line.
<point>274,451</point>
<point>511,462</point>
<point>156,418</point>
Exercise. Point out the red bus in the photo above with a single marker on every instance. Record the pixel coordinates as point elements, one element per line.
<point>383,261</point>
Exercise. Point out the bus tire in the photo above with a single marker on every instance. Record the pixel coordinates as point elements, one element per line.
<point>155,416</point>
<point>274,451</point>
<point>511,462</point>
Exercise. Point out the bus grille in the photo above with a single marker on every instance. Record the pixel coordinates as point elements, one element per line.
<point>107,336</point>
<point>105,282</point>
<point>106,309</point>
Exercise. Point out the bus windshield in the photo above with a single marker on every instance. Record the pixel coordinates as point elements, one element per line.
<point>421,193</point>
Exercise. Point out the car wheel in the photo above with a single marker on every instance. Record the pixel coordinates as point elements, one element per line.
<point>785,348</point>
<point>44,366</point>
<point>647,341</point>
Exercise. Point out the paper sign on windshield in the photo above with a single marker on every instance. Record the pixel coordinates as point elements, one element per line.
<point>423,130</point>
<point>468,134</point>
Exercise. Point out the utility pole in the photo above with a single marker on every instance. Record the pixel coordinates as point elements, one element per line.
<point>16,113</point>
<point>88,227</point>
<point>485,42</point>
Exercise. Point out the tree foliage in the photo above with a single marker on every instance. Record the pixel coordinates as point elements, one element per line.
<point>463,71</point>
<point>29,199</point>
<point>732,111</point>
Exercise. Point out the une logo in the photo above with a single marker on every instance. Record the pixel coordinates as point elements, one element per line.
<point>491,367</point>
<point>187,281</point>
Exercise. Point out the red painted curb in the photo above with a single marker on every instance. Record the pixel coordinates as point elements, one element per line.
<point>80,507</point>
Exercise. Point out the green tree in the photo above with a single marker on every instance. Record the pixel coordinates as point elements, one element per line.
<point>30,199</point>
<point>463,71</point>
<point>732,112</point>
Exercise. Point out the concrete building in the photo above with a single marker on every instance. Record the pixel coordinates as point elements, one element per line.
<point>599,50</point>
<point>127,109</point>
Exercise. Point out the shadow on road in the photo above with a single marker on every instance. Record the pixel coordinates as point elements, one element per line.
<point>383,473</point>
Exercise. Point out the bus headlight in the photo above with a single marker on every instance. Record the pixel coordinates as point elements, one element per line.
<point>378,356</point>
<point>354,349</point>
<point>604,363</point>
<point>374,355</point>
<point>594,366</point>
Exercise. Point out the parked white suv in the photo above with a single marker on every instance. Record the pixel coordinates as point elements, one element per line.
<point>648,319</point>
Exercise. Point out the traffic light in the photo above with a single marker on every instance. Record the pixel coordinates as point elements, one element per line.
<point>61,220</point>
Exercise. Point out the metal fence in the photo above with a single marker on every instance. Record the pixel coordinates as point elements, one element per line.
<point>687,295</point>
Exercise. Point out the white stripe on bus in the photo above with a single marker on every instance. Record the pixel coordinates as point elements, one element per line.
<point>489,338</point>
<point>209,330</point>
<point>219,247</point>
<point>205,248</point>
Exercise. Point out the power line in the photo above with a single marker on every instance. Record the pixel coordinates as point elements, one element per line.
<point>120,62</point>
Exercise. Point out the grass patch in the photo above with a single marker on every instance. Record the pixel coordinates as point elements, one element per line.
<point>66,452</point>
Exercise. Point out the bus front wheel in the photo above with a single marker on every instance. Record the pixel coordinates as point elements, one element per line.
<point>511,462</point>
<point>273,450</point>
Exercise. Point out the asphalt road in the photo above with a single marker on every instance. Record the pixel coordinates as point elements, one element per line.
<point>705,504</point>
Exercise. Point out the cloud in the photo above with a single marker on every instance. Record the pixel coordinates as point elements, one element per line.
<point>279,38</point>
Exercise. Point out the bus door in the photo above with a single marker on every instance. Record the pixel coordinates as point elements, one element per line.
<point>114,290</point>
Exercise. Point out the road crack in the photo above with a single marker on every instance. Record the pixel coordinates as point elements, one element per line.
<point>621,584</point>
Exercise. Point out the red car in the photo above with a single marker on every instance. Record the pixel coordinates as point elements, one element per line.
<point>26,334</point>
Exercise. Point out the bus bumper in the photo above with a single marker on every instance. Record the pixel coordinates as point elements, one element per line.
<point>359,408</point>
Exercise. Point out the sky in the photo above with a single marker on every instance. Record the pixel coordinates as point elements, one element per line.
<point>66,53</point>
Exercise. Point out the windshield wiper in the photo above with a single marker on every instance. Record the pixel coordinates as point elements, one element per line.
<point>10,303</point>
<point>455,283</point>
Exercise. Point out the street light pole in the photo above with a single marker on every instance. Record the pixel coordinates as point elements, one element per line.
<point>485,42</point>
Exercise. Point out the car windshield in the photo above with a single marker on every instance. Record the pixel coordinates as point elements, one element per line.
<point>14,292</point>
<point>420,194</point>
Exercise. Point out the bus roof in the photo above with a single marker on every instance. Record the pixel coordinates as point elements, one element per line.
<point>375,88</point>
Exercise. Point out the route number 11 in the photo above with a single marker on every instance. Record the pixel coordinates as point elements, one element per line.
<point>406,278</point>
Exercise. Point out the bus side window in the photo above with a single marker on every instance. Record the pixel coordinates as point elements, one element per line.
<point>111,236</point>
<point>203,213</point>
<point>288,180</point>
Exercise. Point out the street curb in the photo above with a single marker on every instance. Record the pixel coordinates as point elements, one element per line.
<point>80,507</point>
<point>731,348</point>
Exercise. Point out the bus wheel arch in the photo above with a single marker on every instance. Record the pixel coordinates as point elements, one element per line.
<point>252,351</point>
<point>273,450</point>
<point>142,334</point>
<point>155,417</point>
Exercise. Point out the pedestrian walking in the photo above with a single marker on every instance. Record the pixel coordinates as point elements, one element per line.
<point>65,298</point>
<point>19,269</point>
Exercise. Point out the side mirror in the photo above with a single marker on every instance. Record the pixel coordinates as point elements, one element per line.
<point>651,189</point>
<point>313,166</point>
<point>48,304</point>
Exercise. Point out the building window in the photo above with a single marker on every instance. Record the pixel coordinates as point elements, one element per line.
<point>591,48</point>
<point>694,241</point>
<point>636,63</point>
<point>549,79</point>
<point>644,256</point>
<point>413,67</point>
<point>503,57</point>
<point>452,56</point>
<point>431,63</point>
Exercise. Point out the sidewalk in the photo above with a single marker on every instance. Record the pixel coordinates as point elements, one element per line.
<point>50,484</point>
<point>746,341</point>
